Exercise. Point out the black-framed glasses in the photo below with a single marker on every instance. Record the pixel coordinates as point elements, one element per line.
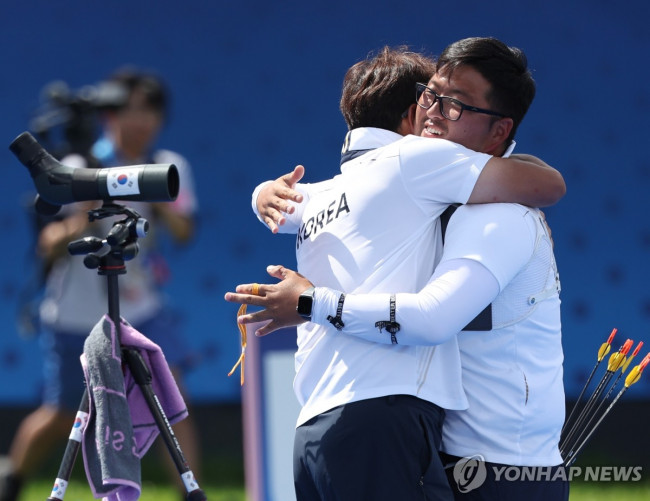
<point>450,108</point>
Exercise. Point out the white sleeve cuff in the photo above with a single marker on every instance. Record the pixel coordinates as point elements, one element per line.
<point>256,194</point>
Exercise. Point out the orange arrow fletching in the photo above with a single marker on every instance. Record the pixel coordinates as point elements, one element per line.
<point>611,336</point>
<point>635,373</point>
<point>605,347</point>
<point>603,351</point>
<point>615,361</point>
<point>645,361</point>
<point>627,347</point>
<point>631,357</point>
<point>618,358</point>
<point>633,376</point>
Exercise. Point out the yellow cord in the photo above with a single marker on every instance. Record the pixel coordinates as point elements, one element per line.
<point>242,357</point>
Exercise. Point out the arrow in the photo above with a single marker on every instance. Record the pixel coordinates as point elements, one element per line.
<point>632,378</point>
<point>616,361</point>
<point>602,352</point>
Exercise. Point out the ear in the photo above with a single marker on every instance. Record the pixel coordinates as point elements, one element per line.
<point>407,125</point>
<point>500,130</point>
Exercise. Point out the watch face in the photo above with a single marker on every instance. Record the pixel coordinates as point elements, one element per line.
<point>305,302</point>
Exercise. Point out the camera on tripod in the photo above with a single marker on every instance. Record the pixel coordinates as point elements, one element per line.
<point>58,184</point>
<point>76,113</point>
<point>106,359</point>
<point>67,120</point>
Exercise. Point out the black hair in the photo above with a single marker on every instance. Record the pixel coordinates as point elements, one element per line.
<point>153,87</point>
<point>378,90</point>
<point>504,67</point>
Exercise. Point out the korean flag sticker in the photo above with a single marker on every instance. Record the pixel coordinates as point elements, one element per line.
<point>122,181</point>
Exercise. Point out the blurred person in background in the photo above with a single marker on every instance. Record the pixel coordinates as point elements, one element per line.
<point>75,297</point>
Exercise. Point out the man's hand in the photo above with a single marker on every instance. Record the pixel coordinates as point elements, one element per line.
<point>273,199</point>
<point>278,300</point>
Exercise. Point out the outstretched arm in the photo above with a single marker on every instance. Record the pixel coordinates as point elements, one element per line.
<point>272,200</point>
<point>458,291</point>
<point>522,179</point>
<point>460,288</point>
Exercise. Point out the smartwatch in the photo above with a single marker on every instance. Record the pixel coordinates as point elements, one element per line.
<point>305,303</point>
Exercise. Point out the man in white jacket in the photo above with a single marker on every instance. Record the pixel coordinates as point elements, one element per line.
<point>370,381</point>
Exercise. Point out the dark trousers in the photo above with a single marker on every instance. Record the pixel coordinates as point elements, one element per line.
<point>473,480</point>
<point>377,449</point>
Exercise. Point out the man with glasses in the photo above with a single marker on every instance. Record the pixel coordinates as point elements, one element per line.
<point>450,108</point>
<point>512,368</point>
<point>371,385</point>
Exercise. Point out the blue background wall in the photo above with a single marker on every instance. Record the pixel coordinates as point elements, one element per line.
<point>256,88</point>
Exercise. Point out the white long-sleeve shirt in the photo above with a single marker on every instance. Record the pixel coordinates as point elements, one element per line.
<point>375,229</point>
<point>499,254</point>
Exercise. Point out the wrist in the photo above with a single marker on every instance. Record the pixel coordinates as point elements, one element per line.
<point>255,196</point>
<point>305,304</point>
<point>324,304</point>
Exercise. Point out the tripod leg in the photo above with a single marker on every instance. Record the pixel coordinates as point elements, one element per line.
<point>71,451</point>
<point>142,377</point>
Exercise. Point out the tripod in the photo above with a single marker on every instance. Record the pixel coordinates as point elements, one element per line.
<point>108,257</point>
